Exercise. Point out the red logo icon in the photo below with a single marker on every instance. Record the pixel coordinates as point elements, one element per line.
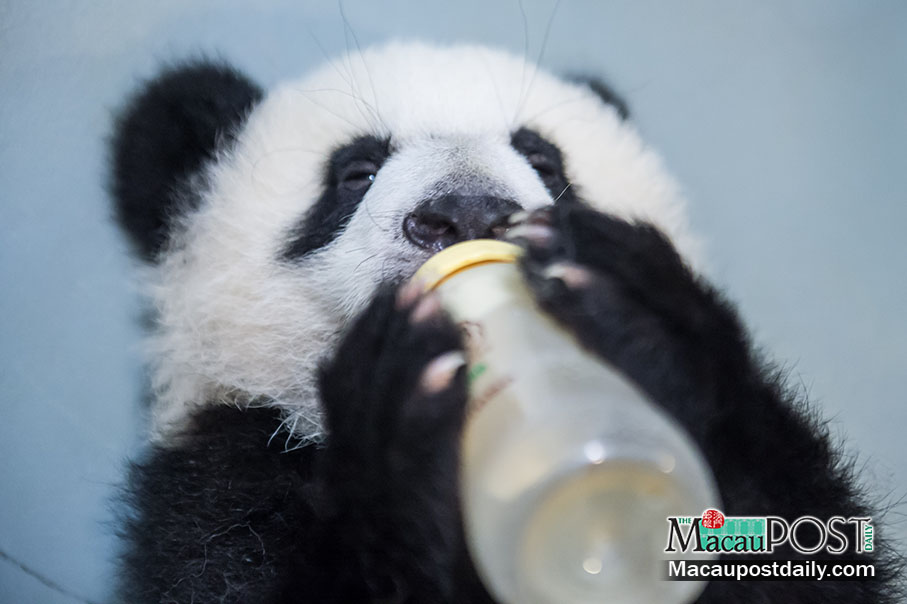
<point>712,519</point>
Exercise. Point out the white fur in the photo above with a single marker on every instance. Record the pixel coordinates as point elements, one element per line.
<point>238,325</point>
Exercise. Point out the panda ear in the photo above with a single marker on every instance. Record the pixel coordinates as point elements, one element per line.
<point>174,123</point>
<point>605,93</point>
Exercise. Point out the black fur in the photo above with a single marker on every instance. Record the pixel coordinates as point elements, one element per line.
<point>218,517</point>
<point>605,93</point>
<point>392,456</point>
<point>674,335</point>
<point>344,189</point>
<point>229,516</point>
<point>226,514</point>
<point>545,158</point>
<point>164,135</point>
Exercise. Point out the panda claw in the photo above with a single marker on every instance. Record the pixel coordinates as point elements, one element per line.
<point>572,275</point>
<point>440,373</point>
<point>541,217</point>
<point>518,217</point>
<point>537,235</point>
<point>426,308</point>
<point>409,293</point>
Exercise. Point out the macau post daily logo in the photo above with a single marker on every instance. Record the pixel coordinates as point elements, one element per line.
<point>713,533</point>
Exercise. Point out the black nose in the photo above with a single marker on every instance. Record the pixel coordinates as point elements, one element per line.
<point>443,221</point>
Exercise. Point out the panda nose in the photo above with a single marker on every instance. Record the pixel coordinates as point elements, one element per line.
<point>441,222</point>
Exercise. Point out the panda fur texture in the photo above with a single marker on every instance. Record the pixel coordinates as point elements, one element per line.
<point>306,413</point>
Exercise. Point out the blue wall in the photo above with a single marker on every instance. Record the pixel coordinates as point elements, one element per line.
<point>785,121</point>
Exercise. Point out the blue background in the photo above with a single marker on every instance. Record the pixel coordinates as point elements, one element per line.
<point>785,121</point>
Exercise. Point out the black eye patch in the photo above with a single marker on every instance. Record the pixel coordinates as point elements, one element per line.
<point>349,174</point>
<point>544,157</point>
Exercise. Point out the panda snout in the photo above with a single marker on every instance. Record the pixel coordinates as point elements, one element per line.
<point>440,222</point>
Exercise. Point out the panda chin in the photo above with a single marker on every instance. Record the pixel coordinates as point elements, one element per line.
<point>297,455</point>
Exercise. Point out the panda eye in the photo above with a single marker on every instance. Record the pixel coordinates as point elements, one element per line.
<point>357,176</point>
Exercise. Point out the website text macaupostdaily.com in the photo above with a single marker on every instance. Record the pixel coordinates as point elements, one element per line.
<point>777,570</point>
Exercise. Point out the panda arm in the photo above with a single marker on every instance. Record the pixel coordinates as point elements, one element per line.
<point>627,295</point>
<point>226,512</point>
<point>394,396</point>
<point>220,512</point>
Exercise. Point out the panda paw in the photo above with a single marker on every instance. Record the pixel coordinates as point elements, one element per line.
<point>396,387</point>
<point>394,397</point>
<point>623,290</point>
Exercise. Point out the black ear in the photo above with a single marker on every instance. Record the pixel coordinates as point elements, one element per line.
<point>605,93</point>
<point>173,124</point>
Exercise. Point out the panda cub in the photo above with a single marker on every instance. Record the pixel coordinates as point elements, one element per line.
<point>306,415</point>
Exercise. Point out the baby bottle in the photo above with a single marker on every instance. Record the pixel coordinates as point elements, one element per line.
<point>568,471</point>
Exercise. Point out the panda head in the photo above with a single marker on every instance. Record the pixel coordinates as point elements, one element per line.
<point>268,220</point>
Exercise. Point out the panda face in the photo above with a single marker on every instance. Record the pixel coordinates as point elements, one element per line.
<point>352,177</point>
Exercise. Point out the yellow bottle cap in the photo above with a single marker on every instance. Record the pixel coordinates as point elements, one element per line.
<point>463,255</point>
